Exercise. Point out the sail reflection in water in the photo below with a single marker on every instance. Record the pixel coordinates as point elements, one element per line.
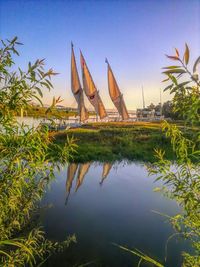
<point>82,171</point>
<point>106,169</point>
<point>71,171</point>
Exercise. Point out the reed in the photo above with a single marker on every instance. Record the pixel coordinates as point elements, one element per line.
<point>141,255</point>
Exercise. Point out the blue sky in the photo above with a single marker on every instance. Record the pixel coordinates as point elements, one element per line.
<point>133,35</point>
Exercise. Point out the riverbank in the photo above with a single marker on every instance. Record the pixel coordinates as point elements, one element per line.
<point>108,142</point>
<point>43,112</point>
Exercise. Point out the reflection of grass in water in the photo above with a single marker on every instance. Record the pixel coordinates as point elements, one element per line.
<point>141,255</point>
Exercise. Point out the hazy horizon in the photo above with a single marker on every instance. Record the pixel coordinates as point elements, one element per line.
<point>133,35</point>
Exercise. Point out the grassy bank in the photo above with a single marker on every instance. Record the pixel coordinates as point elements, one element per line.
<point>116,141</point>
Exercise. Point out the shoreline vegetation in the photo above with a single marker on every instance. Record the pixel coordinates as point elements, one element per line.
<point>116,141</point>
<point>107,142</point>
<point>37,111</point>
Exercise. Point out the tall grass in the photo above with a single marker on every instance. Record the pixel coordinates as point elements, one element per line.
<point>142,256</point>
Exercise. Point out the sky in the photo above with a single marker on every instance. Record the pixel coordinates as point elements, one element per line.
<point>133,35</point>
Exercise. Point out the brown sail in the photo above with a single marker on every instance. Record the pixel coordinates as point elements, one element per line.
<point>83,169</point>
<point>91,91</point>
<point>115,94</point>
<point>106,169</point>
<point>77,89</point>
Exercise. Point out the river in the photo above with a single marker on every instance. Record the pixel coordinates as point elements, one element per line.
<point>118,208</point>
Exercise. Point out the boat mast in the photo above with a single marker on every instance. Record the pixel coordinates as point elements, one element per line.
<point>160,102</point>
<point>143,97</point>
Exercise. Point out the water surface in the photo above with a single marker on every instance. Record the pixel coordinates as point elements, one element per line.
<point>103,203</point>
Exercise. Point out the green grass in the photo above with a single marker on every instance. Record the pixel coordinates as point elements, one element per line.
<point>116,141</point>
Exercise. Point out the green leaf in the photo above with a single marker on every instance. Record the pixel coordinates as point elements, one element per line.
<point>157,189</point>
<point>183,83</point>
<point>39,100</point>
<point>172,67</point>
<point>173,78</point>
<point>174,71</point>
<point>39,91</point>
<point>18,43</point>
<point>168,87</point>
<point>165,80</point>
<point>14,40</point>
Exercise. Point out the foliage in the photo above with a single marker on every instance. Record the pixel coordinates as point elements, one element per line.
<point>182,178</point>
<point>143,257</point>
<point>38,111</point>
<point>27,161</point>
<point>32,248</point>
<point>42,112</point>
<point>184,86</point>
<point>168,111</point>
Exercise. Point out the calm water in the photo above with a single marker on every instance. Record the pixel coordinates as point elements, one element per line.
<point>117,208</point>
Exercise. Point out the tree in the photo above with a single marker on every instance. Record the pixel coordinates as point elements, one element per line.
<point>28,159</point>
<point>158,107</point>
<point>168,111</point>
<point>151,106</point>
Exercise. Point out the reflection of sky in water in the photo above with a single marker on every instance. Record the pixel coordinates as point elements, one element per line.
<point>117,210</point>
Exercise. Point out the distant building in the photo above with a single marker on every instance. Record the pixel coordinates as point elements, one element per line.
<point>145,113</point>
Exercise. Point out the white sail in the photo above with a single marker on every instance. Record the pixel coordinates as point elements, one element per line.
<point>115,94</point>
<point>77,89</point>
<point>91,91</point>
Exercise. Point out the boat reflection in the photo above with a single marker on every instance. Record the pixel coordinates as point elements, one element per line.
<point>83,169</point>
<point>71,172</point>
<point>106,169</point>
<point>80,170</point>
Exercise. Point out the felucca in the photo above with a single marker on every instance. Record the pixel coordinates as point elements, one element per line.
<point>77,89</point>
<point>91,90</point>
<point>115,94</point>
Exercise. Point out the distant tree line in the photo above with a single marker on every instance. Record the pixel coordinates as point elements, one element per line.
<point>166,109</point>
